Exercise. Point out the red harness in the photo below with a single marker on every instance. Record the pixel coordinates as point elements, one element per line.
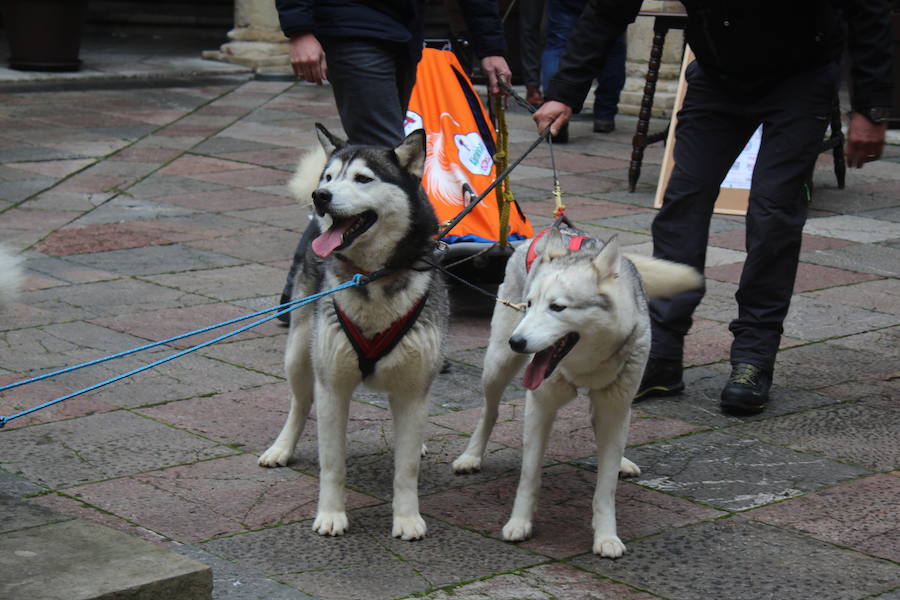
<point>574,245</point>
<point>370,350</point>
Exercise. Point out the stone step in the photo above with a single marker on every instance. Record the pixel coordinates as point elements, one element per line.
<point>48,556</point>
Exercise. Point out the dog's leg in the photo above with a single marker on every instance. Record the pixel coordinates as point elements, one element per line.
<point>610,412</point>
<point>332,413</point>
<point>628,469</point>
<point>300,377</point>
<point>500,366</point>
<point>541,406</point>
<point>408,411</point>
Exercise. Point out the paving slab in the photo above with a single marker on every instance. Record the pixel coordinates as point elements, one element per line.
<point>710,560</point>
<point>732,473</point>
<point>90,562</point>
<point>876,259</point>
<point>211,499</point>
<point>544,582</point>
<point>562,525</point>
<point>98,447</point>
<point>367,562</point>
<point>860,515</point>
<point>852,433</point>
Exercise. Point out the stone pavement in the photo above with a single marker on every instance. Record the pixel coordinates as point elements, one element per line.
<point>145,211</point>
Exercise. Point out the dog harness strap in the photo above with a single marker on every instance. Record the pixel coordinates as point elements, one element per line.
<point>574,245</point>
<point>370,350</point>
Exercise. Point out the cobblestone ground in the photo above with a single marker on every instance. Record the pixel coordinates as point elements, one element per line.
<point>147,212</point>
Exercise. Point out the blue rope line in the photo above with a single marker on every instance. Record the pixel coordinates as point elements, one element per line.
<point>292,305</point>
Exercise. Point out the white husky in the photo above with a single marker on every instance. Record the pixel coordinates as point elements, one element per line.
<point>372,216</point>
<point>587,326</point>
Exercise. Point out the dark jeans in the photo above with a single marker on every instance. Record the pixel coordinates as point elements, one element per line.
<point>712,129</point>
<point>372,82</point>
<point>561,18</point>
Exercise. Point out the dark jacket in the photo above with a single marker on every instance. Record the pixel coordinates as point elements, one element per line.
<point>390,20</point>
<point>747,46</point>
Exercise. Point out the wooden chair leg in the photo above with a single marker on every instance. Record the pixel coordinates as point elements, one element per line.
<point>639,141</point>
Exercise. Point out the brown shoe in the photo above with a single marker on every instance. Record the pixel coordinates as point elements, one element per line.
<point>533,96</point>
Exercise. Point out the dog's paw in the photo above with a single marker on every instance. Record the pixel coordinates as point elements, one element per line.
<point>409,528</point>
<point>331,523</point>
<point>517,530</point>
<point>609,546</point>
<point>629,469</point>
<point>276,456</point>
<point>467,463</point>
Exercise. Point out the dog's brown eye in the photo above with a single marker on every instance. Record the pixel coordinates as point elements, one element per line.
<point>557,307</point>
<point>362,179</point>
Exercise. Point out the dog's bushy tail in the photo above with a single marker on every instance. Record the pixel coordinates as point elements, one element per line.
<point>663,278</point>
<point>306,175</point>
<point>11,276</point>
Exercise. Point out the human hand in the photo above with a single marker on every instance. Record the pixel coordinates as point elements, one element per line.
<point>495,68</point>
<point>865,140</point>
<point>552,114</point>
<point>308,58</point>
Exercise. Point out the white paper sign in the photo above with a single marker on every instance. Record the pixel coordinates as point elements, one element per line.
<point>741,173</point>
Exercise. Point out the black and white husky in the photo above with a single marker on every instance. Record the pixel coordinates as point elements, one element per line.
<point>586,326</point>
<point>388,334</point>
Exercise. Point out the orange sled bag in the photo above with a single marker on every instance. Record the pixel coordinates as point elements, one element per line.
<point>459,162</point>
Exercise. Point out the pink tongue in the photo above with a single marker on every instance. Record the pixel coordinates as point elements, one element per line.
<point>537,369</point>
<point>331,239</point>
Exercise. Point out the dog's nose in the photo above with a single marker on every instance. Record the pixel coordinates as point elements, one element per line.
<point>517,343</point>
<point>321,198</point>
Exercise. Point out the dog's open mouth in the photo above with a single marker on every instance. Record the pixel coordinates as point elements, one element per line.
<point>543,363</point>
<point>342,232</point>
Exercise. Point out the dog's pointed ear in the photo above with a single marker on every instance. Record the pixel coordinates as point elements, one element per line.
<point>555,245</point>
<point>609,262</point>
<point>411,153</point>
<point>329,142</point>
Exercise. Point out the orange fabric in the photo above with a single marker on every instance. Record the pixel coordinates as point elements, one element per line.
<point>456,153</point>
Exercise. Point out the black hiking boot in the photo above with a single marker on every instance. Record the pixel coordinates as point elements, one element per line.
<point>747,390</point>
<point>662,377</point>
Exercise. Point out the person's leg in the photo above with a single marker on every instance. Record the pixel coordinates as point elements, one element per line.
<point>795,116</point>
<point>610,82</point>
<point>531,18</point>
<point>711,131</point>
<point>371,83</point>
<point>561,17</point>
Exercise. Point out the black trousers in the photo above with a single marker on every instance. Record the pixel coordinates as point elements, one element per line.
<point>713,127</point>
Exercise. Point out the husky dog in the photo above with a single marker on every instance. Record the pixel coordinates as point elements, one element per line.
<point>10,276</point>
<point>587,326</point>
<point>371,216</point>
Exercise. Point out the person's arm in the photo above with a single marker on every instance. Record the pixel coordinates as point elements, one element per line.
<point>595,31</point>
<point>488,41</point>
<point>298,24</point>
<point>870,48</point>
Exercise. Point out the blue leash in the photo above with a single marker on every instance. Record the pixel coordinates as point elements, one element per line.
<point>281,309</point>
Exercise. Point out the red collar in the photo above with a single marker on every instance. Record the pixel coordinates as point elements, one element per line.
<point>370,350</point>
<point>574,245</point>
